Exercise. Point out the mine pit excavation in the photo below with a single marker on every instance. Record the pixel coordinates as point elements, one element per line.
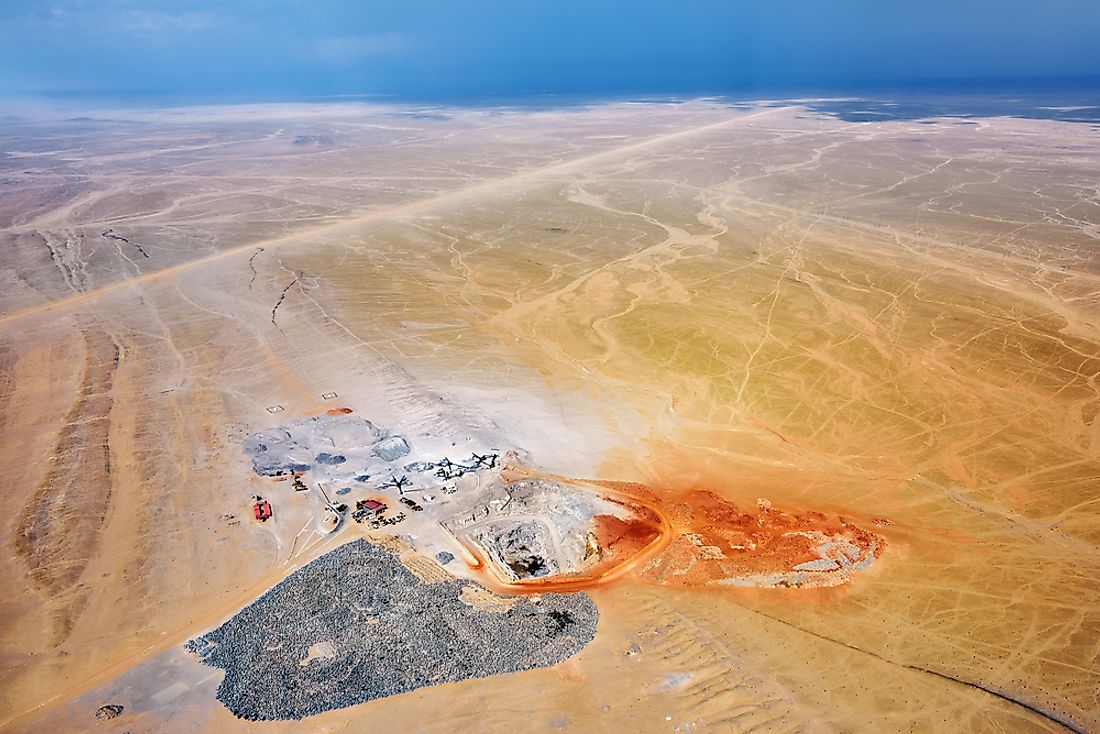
<point>541,532</point>
<point>533,531</point>
<point>523,530</point>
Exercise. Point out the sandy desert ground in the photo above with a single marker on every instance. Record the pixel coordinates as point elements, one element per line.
<point>893,322</point>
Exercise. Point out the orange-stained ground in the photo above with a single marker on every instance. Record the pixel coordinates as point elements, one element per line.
<point>697,538</point>
<point>622,539</point>
<point>715,541</point>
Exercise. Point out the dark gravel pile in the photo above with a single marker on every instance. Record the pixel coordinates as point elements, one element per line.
<point>383,631</point>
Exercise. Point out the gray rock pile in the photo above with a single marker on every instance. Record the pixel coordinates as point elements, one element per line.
<point>355,625</point>
<point>109,711</point>
<point>392,448</point>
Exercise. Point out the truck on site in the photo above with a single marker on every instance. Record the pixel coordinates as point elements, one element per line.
<point>261,509</point>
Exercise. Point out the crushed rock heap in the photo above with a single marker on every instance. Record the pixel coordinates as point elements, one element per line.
<point>355,625</point>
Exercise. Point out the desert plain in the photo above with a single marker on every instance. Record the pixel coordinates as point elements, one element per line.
<point>880,327</point>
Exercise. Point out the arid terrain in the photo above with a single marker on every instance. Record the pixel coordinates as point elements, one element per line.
<point>737,344</point>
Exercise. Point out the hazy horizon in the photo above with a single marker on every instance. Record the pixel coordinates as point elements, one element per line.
<point>200,50</point>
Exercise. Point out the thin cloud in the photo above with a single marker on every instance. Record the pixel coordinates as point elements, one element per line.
<point>140,21</point>
<point>346,50</point>
<point>122,20</point>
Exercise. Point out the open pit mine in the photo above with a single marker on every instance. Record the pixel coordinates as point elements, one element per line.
<point>698,416</point>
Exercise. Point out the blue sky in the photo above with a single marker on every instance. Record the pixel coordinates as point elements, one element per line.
<point>422,48</point>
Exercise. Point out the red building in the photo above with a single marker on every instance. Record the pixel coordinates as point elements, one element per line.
<point>371,506</point>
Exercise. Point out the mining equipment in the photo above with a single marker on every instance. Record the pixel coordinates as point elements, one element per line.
<point>410,503</point>
<point>261,509</point>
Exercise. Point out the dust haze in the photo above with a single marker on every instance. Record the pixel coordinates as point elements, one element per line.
<point>707,417</point>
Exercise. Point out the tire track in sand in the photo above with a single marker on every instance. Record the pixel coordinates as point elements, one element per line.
<point>481,189</point>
